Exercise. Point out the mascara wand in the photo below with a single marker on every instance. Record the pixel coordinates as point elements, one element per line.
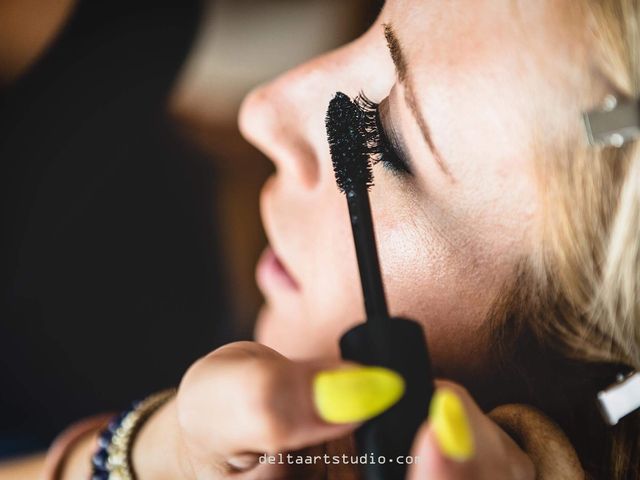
<point>395,343</point>
<point>354,177</point>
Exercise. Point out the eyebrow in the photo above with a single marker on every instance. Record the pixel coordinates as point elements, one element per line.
<point>400,62</point>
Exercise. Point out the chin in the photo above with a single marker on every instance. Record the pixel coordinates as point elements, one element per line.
<point>293,339</point>
<point>270,330</point>
<point>261,329</point>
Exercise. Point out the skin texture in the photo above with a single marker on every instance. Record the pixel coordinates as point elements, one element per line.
<point>449,238</point>
<point>448,242</point>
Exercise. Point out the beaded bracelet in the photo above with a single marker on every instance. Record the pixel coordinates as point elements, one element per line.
<point>112,460</point>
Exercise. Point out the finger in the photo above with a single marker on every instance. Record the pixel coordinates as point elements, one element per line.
<point>430,463</point>
<point>460,441</point>
<point>446,443</point>
<point>246,397</point>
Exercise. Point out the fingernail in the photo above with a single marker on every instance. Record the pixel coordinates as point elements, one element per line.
<point>355,394</point>
<point>451,426</point>
<point>243,462</point>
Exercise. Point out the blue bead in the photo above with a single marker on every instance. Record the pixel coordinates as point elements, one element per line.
<point>100,476</point>
<point>115,423</point>
<point>105,439</point>
<point>100,458</point>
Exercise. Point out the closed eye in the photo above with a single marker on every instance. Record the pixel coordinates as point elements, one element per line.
<point>382,143</point>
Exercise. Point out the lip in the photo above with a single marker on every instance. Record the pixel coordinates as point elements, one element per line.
<point>271,272</point>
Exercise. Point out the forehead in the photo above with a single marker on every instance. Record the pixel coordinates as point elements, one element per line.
<point>491,67</point>
<point>486,74</point>
<point>464,32</point>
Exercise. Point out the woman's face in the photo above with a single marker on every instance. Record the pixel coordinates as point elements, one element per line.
<point>461,101</point>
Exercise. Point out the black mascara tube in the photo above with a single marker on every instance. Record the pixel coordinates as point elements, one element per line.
<point>389,437</point>
<point>375,301</point>
<point>394,343</point>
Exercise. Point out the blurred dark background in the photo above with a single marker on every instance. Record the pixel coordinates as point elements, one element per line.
<point>112,281</point>
<point>129,222</point>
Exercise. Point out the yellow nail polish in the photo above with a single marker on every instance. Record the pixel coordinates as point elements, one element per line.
<point>355,394</point>
<point>451,426</point>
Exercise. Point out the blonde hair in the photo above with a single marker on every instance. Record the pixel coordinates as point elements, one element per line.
<point>587,303</point>
<point>594,216</point>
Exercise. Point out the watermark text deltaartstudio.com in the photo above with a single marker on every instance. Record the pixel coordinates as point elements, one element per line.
<point>365,459</point>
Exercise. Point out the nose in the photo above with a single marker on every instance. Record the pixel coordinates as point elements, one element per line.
<point>283,125</point>
<point>285,118</point>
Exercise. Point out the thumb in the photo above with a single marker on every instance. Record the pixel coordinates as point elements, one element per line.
<point>354,393</point>
<point>245,397</point>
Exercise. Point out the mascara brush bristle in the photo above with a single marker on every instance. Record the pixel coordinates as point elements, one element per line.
<point>348,144</point>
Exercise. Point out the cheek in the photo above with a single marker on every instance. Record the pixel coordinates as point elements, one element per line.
<point>435,278</point>
<point>439,282</point>
<point>316,239</point>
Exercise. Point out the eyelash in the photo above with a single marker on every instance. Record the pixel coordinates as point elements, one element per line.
<point>377,142</point>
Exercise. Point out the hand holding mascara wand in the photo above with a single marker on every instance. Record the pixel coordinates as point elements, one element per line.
<point>395,343</point>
